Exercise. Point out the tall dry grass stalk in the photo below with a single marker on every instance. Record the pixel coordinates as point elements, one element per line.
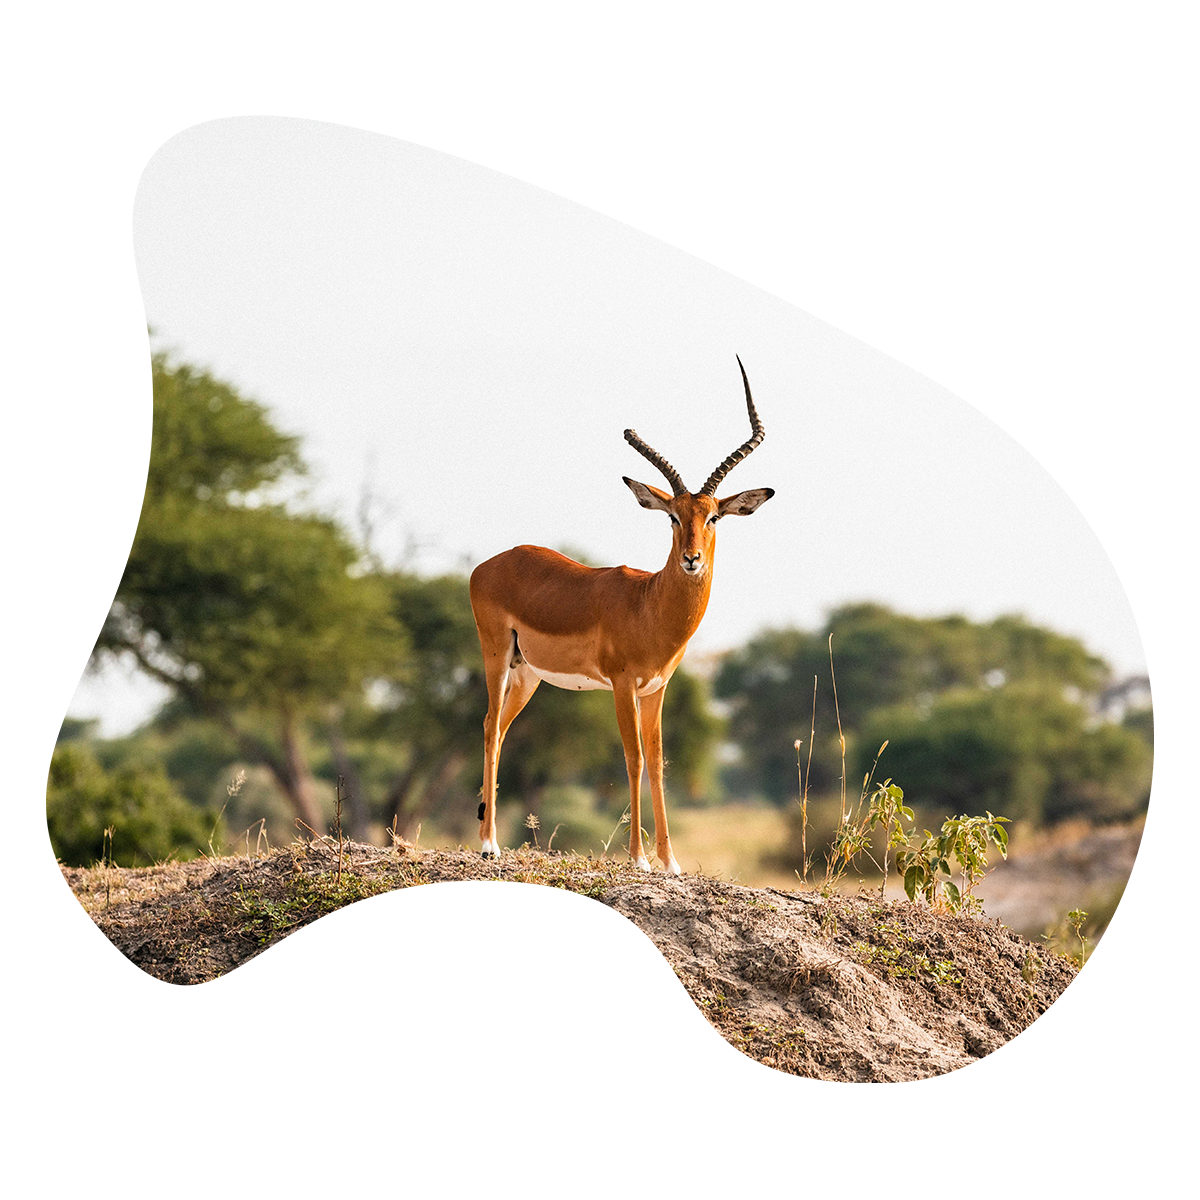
<point>843,815</point>
<point>802,784</point>
<point>339,797</point>
<point>841,735</point>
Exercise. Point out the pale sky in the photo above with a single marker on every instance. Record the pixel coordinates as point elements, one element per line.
<point>474,347</point>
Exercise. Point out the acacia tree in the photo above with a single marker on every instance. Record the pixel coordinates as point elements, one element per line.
<point>978,715</point>
<point>249,611</point>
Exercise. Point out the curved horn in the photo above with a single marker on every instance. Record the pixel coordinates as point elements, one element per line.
<point>672,475</point>
<point>757,434</point>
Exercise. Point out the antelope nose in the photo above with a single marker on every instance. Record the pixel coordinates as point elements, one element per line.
<point>691,561</point>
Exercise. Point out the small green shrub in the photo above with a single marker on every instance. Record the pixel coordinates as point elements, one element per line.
<point>927,865</point>
<point>150,820</point>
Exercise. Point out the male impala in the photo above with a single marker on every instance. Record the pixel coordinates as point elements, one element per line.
<point>542,616</point>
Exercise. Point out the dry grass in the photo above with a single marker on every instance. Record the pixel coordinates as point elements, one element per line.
<point>728,841</point>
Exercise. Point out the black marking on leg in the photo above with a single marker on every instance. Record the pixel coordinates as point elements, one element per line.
<point>482,809</point>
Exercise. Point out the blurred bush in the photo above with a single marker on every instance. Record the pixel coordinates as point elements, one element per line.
<point>150,820</point>
<point>1001,715</point>
<point>1023,750</point>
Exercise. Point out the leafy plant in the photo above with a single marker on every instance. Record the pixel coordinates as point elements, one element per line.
<point>927,865</point>
<point>885,811</point>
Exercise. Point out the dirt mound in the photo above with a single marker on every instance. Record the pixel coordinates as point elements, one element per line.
<point>441,966</point>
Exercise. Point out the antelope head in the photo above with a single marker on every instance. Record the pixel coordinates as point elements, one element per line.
<point>694,515</point>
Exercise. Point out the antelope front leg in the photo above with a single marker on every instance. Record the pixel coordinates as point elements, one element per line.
<point>651,714</point>
<point>625,695</point>
<point>497,674</point>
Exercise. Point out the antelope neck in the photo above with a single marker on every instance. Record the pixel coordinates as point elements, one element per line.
<point>680,598</point>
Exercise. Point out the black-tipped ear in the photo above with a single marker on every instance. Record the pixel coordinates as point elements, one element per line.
<point>744,503</point>
<point>648,497</point>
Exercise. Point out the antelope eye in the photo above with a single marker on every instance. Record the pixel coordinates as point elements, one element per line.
<point>674,518</point>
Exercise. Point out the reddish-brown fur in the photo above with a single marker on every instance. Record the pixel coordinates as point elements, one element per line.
<point>610,627</point>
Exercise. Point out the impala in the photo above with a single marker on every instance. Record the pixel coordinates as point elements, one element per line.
<point>542,616</point>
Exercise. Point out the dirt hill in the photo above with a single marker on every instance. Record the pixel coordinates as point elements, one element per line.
<point>439,966</point>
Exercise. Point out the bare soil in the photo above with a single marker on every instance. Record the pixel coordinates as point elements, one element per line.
<point>441,966</point>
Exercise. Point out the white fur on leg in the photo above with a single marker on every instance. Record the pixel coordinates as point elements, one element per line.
<point>643,863</point>
<point>491,849</point>
<point>673,866</point>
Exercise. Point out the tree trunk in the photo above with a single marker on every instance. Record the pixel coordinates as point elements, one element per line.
<point>407,816</point>
<point>436,788</point>
<point>397,798</point>
<point>291,772</point>
<point>295,779</point>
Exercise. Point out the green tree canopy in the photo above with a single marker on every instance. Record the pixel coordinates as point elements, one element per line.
<point>979,715</point>
<point>1022,749</point>
<point>246,609</point>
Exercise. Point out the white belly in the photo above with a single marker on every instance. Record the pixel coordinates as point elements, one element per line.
<point>585,683</point>
<point>572,683</point>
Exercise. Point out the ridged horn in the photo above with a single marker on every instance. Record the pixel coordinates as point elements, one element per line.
<point>652,455</point>
<point>757,433</point>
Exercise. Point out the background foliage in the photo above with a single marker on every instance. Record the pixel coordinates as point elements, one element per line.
<point>149,819</point>
<point>294,654</point>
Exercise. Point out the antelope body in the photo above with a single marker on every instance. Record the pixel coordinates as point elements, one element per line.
<point>544,617</point>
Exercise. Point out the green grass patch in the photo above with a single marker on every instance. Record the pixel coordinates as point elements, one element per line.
<point>897,960</point>
<point>304,898</point>
<point>552,895</point>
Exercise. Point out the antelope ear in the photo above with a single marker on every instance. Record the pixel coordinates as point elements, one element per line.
<point>744,503</point>
<point>648,497</point>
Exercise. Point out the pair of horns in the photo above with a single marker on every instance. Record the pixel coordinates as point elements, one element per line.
<point>757,433</point>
